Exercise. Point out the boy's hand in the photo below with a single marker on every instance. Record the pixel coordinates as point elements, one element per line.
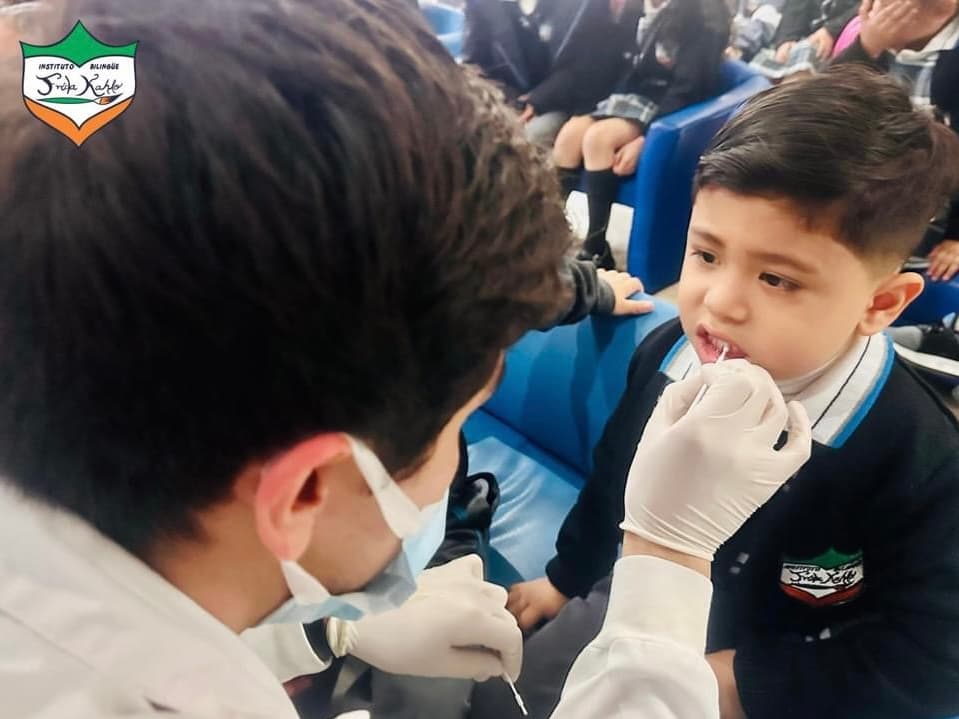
<point>624,286</point>
<point>722,665</point>
<point>535,601</point>
<point>944,260</point>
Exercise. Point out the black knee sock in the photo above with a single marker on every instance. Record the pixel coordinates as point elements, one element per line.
<point>568,180</point>
<point>601,189</point>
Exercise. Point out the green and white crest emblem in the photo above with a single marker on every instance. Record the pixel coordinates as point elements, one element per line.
<point>78,85</point>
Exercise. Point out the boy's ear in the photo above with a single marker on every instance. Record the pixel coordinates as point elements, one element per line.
<point>893,295</point>
<point>291,490</point>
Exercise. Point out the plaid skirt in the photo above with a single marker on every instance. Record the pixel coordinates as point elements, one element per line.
<point>628,107</point>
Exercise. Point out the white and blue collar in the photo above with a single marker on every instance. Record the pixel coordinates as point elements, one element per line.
<point>837,401</point>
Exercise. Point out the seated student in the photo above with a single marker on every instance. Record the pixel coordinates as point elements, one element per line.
<point>918,42</point>
<point>788,37</point>
<point>549,57</point>
<point>670,54</point>
<point>754,29</point>
<point>843,592</point>
<point>817,23</point>
<point>805,39</point>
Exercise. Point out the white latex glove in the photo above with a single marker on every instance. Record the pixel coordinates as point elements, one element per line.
<point>456,625</point>
<point>700,472</point>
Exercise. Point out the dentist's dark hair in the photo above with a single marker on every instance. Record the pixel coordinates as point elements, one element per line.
<point>310,219</point>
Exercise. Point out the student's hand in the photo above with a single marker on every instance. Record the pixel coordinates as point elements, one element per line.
<point>297,685</point>
<point>535,601</point>
<point>887,26</point>
<point>624,286</point>
<point>733,53</point>
<point>944,260</point>
<point>823,42</point>
<point>626,158</point>
<point>730,707</point>
<point>782,54</point>
<point>897,24</point>
<point>529,112</point>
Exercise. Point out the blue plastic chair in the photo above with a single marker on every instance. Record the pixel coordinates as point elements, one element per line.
<point>937,300</point>
<point>660,192</point>
<point>538,432</point>
<point>448,23</point>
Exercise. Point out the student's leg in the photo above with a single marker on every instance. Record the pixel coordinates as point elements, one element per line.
<point>568,150</point>
<point>600,143</point>
<point>547,658</point>
<point>604,138</point>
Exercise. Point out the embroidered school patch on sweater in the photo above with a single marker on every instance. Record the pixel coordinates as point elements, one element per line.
<point>827,580</point>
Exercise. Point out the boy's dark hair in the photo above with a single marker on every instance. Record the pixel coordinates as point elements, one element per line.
<point>846,147</point>
<point>310,219</point>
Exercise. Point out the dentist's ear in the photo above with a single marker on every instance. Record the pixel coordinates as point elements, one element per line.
<point>291,492</point>
<point>891,297</point>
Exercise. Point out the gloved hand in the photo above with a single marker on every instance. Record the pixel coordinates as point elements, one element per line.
<point>701,471</point>
<point>456,625</point>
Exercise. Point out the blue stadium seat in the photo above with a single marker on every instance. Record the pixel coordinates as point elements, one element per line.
<point>937,300</point>
<point>448,24</point>
<point>538,432</point>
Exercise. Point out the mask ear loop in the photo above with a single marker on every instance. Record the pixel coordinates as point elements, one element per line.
<point>402,515</point>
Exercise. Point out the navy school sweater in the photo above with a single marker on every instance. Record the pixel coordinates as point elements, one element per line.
<point>841,595</point>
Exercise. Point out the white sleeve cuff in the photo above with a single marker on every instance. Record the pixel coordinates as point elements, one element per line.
<point>285,649</point>
<point>653,597</point>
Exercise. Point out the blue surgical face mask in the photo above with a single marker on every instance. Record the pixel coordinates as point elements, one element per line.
<point>422,532</point>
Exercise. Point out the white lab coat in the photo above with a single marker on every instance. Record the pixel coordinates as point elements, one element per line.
<point>647,661</point>
<point>89,632</point>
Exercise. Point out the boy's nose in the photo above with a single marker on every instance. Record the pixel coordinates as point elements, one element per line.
<point>727,300</point>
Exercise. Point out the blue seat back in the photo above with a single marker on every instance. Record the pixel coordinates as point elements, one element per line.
<point>660,192</point>
<point>443,18</point>
<point>561,386</point>
<point>448,23</point>
<point>937,300</point>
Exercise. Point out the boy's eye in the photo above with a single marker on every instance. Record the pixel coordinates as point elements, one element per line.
<point>779,283</point>
<point>706,257</point>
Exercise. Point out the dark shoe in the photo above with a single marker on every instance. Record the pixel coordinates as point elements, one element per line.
<point>473,501</point>
<point>603,260</point>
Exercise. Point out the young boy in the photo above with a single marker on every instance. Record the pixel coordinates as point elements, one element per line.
<point>843,592</point>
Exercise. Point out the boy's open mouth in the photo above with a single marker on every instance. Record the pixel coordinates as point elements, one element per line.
<point>709,346</point>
